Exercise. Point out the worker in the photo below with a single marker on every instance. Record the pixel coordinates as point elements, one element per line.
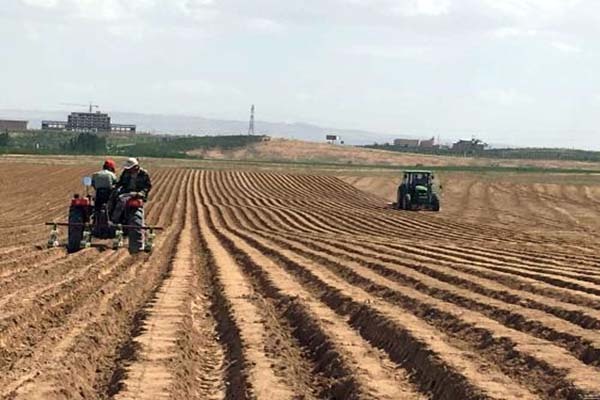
<point>133,182</point>
<point>104,182</point>
<point>134,179</point>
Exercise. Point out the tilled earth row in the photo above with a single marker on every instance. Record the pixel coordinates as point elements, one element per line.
<point>291,286</point>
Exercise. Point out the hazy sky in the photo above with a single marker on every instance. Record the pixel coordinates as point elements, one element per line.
<point>510,71</point>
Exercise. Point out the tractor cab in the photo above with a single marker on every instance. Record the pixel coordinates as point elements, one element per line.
<point>417,191</point>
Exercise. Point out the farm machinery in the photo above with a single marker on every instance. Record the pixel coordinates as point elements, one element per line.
<point>89,218</point>
<point>418,191</point>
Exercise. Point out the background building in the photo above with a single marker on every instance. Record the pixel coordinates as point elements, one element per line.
<point>428,144</point>
<point>122,128</point>
<point>12,125</point>
<point>469,146</point>
<point>408,143</point>
<point>88,122</point>
<point>54,125</point>
<point>416,143</point>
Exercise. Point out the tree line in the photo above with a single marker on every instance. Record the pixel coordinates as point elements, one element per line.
<point>86,143</point>
<point>532,153</point>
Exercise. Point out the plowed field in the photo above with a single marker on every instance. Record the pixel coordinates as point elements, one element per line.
<point>275,286</point>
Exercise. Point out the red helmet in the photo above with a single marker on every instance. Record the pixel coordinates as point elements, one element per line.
<point>109,165</point>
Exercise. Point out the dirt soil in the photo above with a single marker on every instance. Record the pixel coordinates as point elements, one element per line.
<point>547,204</point>
<point>296,286</point>
<point>296,150</point>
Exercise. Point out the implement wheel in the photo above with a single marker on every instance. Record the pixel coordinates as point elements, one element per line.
<point>75,232</point>
<point>135,236</point>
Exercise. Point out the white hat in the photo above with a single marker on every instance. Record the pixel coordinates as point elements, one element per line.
<point>130,163</point>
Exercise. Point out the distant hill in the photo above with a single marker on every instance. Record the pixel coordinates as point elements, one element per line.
<point>193,125</point>
<point>285,150</point>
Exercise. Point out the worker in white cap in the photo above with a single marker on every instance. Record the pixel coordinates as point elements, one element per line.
<point>134,179</point>
<point>134,182</point>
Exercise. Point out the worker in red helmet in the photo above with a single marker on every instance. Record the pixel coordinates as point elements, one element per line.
<point>104,182</point>
<point>106,177</point>
<point>109,165</point>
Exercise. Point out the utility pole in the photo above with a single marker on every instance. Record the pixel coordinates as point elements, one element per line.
<point>251,125</point>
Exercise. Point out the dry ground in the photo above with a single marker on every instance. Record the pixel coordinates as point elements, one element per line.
<point>296,150</point>
<point>281,286</point>
<point>548,204</point>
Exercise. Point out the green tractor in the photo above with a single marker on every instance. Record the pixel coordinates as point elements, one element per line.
<point>418,191</point>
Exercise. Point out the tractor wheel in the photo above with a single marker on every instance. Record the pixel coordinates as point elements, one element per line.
<point>435,202</point>
<point>75,233</point>
<point>135,236</point>
<point>406,202</point>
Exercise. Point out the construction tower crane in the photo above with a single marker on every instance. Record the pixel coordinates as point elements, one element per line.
<point>90,105</point>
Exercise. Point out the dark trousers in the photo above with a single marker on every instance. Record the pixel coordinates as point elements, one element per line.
<point>102,197</point>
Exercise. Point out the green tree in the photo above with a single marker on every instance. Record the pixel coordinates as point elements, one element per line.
<point>87,143</point>
<point>4,139</point>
